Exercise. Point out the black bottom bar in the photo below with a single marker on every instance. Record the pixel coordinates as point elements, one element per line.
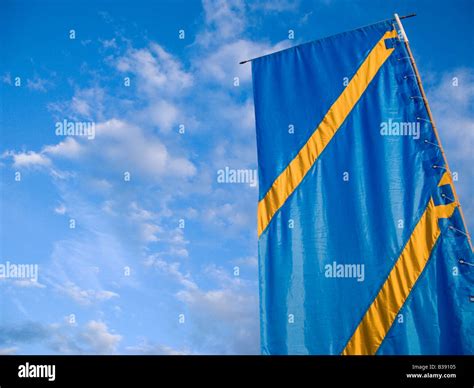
<point>314,371</point>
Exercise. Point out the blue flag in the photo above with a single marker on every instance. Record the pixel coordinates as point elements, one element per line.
<point>362,245</point>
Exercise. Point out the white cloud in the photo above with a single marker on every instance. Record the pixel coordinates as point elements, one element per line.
<point>227,214</point>
<point>87,103</point>
<point>156,70</point>
<point>239,120</point>
<point>85,297</point>
<point>149,231</point>
<point>222,304</point>
<point>93,338</point>
<point>161,113</point>
<point>222,64</point>
<point>221,44</point>
<point>99,185</point>
<point>144,220</point>
<point>69,148</point>
<point>224,320</point>
<point>178,252</point>
<point>98,339</point>
<point>146,155</point>
<point>24,283</point>
<point>27,159</point>
<point>225,19</point>
<point>119,145</point>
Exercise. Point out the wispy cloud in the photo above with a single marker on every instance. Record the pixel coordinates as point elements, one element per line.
<point>85,297</point>
<point>276,5</point>
<point>145,347</point>
<point>39,84</point>
<point>223,317</point>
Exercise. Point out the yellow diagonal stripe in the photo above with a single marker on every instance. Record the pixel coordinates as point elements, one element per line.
<point>445,211</point>
<point>291,177</point>
<point>445,179</point>
<point>381,314</point>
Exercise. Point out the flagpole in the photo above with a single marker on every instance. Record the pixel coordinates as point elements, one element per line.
<point>430,115</point>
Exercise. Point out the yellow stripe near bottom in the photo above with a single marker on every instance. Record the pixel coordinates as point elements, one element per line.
<point>381,314</point>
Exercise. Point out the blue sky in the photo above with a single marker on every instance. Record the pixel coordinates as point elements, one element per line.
<point>165,262</point>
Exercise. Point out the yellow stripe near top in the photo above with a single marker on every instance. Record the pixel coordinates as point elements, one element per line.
<point>291,177</point>
<point>446,179</point>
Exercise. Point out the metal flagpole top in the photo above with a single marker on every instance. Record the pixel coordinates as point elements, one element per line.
<point>397,18</point>
<point>400,26</point>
